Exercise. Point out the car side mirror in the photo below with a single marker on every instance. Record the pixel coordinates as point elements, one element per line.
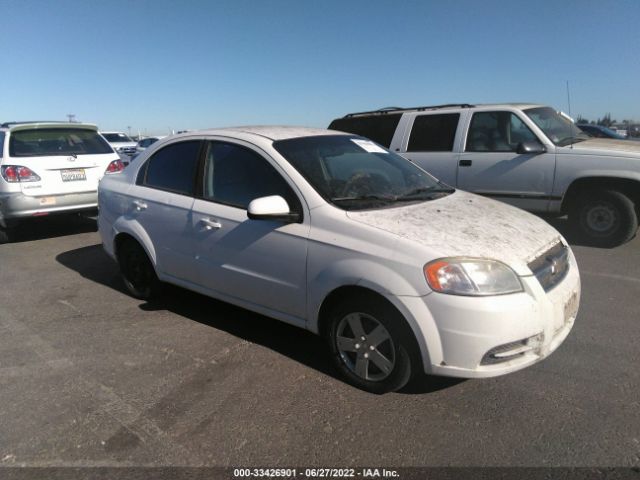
<point>531,147</point>
<point>273,207</point>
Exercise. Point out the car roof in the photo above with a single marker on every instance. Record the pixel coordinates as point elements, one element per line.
<point>29,125</point>
<point>270,132</point>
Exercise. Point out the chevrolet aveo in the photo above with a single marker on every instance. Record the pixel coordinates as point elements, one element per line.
<point>333,233</point>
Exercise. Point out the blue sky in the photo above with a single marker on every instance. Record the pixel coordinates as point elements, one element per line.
<point>160,65</point>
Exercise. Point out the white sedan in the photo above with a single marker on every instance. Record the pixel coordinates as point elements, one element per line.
<point>333,233</point>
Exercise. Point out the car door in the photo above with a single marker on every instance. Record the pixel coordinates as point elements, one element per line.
<point>491,165</point>
<point>161,203</point>
<point>257,262</point>
<point>431,144</point>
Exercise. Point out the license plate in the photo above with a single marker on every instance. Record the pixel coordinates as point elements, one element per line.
<point>571,307</point>
<point>48,201</point>
<point>73,175</point>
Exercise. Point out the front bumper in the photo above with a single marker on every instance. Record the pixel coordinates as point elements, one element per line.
<point>474,337</point>
<point>17,205</point>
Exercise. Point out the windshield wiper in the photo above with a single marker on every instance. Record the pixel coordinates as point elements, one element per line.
<point>571,140</point>
<point>381,198</point>
<point>417,193</point>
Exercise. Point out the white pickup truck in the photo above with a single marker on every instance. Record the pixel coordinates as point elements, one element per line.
<point>523,154</point>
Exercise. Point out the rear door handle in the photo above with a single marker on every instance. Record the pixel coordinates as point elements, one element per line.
<point>210,224</point>
<point>465,163</point>
<point>139,205</point>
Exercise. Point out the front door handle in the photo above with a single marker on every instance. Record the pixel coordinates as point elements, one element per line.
<point>210,224</point>
<point>465,163</point>
<point>139,205</point>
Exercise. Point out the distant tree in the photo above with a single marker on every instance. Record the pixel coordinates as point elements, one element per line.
<point>606,121</point>
<point>581,120</point>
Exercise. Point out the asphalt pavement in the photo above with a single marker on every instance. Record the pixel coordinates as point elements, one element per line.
<point>90,376</point>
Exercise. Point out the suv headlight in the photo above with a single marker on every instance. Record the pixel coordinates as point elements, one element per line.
<point>471,276</point>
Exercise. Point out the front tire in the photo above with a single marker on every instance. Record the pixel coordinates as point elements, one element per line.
<point>370,344</point>
<point>606,218</point>
<point>137,271</point>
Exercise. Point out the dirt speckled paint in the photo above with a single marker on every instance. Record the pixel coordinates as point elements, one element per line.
<point>464,224</point>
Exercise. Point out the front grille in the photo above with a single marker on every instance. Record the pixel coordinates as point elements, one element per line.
<point>127,150</point>
<point>552,266</point>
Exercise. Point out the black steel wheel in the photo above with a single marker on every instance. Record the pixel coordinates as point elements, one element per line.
<point>606,218</point>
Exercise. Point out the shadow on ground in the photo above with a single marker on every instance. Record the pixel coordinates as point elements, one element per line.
<point>55,226</point>
<point>300,345</point>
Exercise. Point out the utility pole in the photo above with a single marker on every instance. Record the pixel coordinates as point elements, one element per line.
<point>71,117</point>
<point>129,128</point>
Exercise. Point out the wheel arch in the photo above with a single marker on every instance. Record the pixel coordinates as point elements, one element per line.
<point>628,186</point>
<point>134,231</point>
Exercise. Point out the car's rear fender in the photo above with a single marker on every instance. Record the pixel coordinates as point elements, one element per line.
<point>130,227</point>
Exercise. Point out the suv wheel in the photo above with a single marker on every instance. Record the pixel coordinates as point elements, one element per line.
<point>607,218</point>
<point>370,344</point>
<point>137,271</point>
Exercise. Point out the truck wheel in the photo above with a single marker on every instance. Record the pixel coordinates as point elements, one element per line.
<point>370,344</point>
<point>607,218</point>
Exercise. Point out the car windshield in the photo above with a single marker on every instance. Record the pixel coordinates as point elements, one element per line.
<point>354,173</point>
<point>560,130</point>
<point>56,141</point>
<point>116,137</point>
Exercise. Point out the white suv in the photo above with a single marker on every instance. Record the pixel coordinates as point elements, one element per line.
<point>523,154</point>
<point>331,232</point>
<point>48,168</point>
<point>121,143</point>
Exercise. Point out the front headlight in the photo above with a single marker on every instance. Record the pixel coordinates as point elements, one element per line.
<point>470,276</point>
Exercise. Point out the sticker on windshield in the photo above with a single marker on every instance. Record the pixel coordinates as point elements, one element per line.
<point>369,146</point>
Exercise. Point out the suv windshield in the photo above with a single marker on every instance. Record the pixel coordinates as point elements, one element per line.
<point>560,130</point>
<point>116,137</point>
<point>56,141</point>
<point>354,173</point>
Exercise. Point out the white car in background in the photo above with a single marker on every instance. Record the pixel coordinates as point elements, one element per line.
<point>330,232</point>
<point>121,143</point>
<point>49,168</point>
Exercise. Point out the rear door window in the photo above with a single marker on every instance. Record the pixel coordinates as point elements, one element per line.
<point>433,133</point>
<point>56,141</point>
<point>173,168</point>
<point>379,128</point>
<point>1,143</point>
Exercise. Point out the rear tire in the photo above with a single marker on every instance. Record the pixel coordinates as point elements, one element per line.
<point>606,218</point>
<point>137,271</point>
<point>371,344</point>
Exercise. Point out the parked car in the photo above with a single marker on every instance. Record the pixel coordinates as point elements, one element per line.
<point>523,154</point>
<point>146,142</point>
<point>49,168</point>
<point>121,143</point>
<point>598,131</point>
<point>333,233</point>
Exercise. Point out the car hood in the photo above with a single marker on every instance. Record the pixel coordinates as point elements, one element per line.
<point>598,146</point>
<point>464,224</point>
